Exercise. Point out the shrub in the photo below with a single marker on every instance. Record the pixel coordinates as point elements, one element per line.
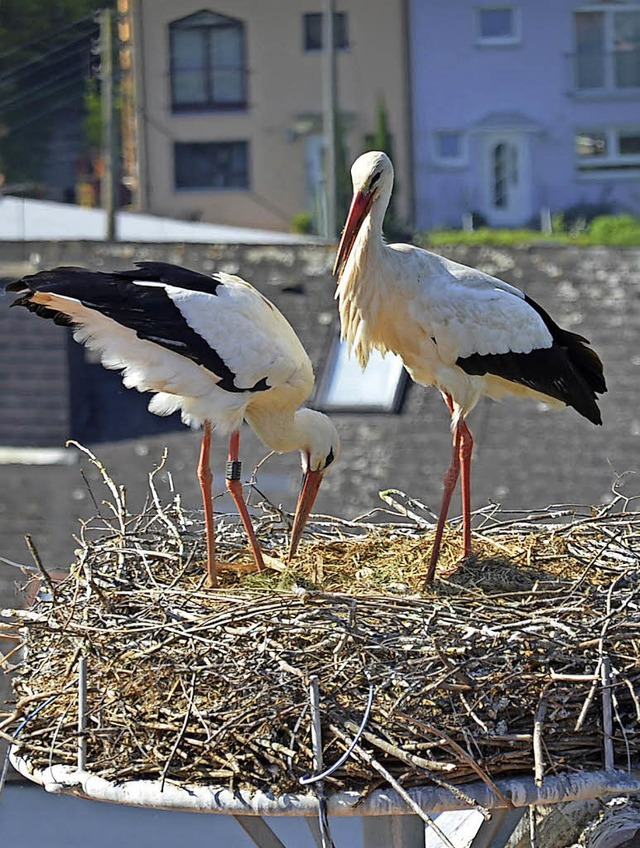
<point>605,230</point>
<point>577,218</point>
<point>484,235</point>
<point>615,230</point>
<point>302,223</point>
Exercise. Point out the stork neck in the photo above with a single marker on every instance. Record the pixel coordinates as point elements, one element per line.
<point>370,243</point>
<point>279,429</point>
<point>369,251</point>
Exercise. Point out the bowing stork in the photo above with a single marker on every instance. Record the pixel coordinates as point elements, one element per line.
<point>210,346</point>
<point>455,328</point>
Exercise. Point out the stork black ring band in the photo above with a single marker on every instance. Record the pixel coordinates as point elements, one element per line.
<point>234,469</point>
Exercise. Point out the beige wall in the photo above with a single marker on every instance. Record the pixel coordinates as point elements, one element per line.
<point>284,82</point>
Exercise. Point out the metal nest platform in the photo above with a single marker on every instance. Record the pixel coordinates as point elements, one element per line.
<point>339,684</point>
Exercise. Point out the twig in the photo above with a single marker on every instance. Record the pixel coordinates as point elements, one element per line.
<point>185,722</point>
<point>82,713</point>
<point>402,792</point>
<point>316,741</point>
<point>387,497</point>
<point>43,571</point>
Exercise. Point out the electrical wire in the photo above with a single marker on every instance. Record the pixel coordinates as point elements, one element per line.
<point>49,34</point>
<point>81,42</point>
<point>57,105</point>
<point>328,771</point>
<point>42,90</point>
<point>5,765</point>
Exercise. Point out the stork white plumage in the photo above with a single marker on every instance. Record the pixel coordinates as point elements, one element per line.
<point>210,346</point>
<point>456,328</point>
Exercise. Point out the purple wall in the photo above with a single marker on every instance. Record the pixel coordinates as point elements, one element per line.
<point>522,93</point>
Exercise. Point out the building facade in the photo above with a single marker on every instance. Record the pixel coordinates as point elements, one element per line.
<point>229,103</point>
<point>525,106</point>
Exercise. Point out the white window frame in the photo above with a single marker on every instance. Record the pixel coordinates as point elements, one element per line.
<point>499,40</point>
<point>459,161</point>
<point>608,85</point>
<point>604,167</point>
<point>362,400</point>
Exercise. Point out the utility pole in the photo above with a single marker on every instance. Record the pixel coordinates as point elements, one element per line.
<point>109,156</point>
<point>329,120</point>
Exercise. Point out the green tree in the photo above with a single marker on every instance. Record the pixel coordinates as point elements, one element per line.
<point>92,124</point>
<point>45,56</point>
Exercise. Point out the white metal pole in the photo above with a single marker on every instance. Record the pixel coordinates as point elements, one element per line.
<point>329,119</point>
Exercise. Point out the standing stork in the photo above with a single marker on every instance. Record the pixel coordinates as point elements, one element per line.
<point>455,328</point>
<point>210,346</point>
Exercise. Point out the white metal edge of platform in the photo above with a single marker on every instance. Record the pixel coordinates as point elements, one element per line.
<point>519,792</point>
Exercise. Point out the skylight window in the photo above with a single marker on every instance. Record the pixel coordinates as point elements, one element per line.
<point>344,386</point>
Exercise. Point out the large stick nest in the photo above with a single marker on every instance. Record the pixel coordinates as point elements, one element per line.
<point>524,660</point>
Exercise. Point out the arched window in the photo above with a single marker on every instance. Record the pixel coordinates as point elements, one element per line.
<point>207,63</point>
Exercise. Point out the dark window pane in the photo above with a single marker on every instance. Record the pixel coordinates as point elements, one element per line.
<point>312,25</point>
<point>496,23</point>
<point>211,165</point>
<point>340,31</point>
<point>313,31</point>
<point>499,176</point>
<point>590,52</point>
<point>630,143</point>
<point>188,60</point>
<point>627,49</point>
<point>449,145</point>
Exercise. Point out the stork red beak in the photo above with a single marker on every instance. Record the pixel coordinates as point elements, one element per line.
<point>310,486</point>
<point>359,210</point>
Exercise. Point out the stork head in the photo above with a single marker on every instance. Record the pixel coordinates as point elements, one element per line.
<point>372,177</point>
<point>320,448</point>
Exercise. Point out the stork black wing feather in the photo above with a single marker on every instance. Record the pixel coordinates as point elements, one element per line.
<point>147,310</point>
<point>569,370</point>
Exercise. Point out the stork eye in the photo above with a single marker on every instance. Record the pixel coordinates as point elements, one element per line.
<point>374,179</point>
<point>329,459</point>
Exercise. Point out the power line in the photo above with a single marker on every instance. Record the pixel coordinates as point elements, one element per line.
<point>57,105</point>
<point>50,95</point>
<point>49,34</point>
<point>81,43</point>
<point>20,99</point>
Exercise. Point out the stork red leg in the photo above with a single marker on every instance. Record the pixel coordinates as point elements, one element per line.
<point>235,488</point>
<point>450,480</point>
<point>466,449</point>
<point>206,479</point>
<point>460,459</point>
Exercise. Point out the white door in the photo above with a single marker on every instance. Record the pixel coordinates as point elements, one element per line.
<point>507,178</point>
